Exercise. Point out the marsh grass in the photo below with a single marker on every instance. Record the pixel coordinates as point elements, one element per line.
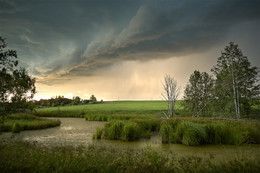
<point>105,117</point>
<point>184,130</point>
<point>128,130</point>
<point>25,157</point>
<point>166,132</point>
<point>21,122</point>
<point>131,131</point>
<point>208,131</point>
<point>16,128</point>
<point>98,134</point>
<point>189,133</point>
<point>114,129</point>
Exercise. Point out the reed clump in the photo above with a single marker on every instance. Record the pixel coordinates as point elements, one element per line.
<point>196,132</point>
<point>128,130</point>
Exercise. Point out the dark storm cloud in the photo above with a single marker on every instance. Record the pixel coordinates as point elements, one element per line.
<point>80,38</point>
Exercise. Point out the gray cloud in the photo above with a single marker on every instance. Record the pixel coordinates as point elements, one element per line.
<point>63,39</point>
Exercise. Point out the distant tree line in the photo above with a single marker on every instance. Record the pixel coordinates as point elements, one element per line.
<point>231,90</point>
<point>62,101</point>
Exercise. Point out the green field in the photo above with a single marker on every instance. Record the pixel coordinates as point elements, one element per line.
<point>126,108</point>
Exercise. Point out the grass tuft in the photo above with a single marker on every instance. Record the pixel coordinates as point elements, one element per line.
<point>16,128</point>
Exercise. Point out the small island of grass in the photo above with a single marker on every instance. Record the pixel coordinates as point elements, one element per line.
<point>21,122</point>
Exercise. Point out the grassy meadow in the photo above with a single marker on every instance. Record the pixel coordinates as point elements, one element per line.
<point>116,108</point>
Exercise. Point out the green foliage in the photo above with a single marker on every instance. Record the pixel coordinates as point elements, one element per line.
<point>189,133</point>
<point>236,82</point>
<point>208,131</point>
<point>118,109</point>
<point>18,122</point>
<point>16,128</point>
<point>24,157</point>
<point>131,131</point>
<point>16,86</point>
<point>148,124</point>
<point>76,100</point>
<point>104,117</point>
<point>59,101</point>
<point>226,134</point>
<point>93,99</point>
<point>166,131</point>
<point>198,93</point>
<point>114,129</point>
<point>231,93</point>
<point>98,134</point>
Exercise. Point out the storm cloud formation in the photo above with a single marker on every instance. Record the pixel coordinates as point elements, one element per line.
<point>65,39</point>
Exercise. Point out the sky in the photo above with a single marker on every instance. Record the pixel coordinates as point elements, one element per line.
<point>122,49</point>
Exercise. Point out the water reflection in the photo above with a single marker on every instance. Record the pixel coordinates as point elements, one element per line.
<point>72,131</point>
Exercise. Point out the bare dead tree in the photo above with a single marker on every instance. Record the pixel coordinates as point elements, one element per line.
<point>170,94</point>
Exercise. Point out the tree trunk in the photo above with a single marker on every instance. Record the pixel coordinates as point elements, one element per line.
<point>234,88</point>
<point>238,105</point>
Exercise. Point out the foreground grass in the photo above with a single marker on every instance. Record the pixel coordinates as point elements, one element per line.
<point>118,108</point>
<point>25,157</point>
<point>20,122</point>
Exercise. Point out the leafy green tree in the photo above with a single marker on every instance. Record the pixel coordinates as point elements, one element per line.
<point>236,82</point>
<point>198,93</point>
<point>16,86</point>
<point>93,99</point>
<point>76,100</point>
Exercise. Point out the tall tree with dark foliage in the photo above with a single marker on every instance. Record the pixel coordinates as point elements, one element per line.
<point>16,86</point>
<point>198,93</point>
<point>237,80</point>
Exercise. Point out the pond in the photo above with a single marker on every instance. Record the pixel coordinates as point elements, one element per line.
<point>77,131</point>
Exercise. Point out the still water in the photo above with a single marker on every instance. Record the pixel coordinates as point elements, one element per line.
<point>77,131</point>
